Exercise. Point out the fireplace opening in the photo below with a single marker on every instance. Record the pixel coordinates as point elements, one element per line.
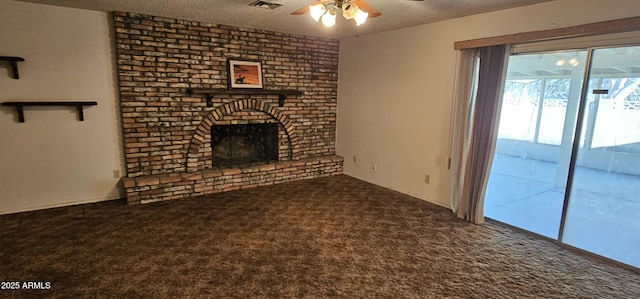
<point>246,144</point>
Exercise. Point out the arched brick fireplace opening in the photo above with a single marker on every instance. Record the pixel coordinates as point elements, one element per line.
<point>196,158</point>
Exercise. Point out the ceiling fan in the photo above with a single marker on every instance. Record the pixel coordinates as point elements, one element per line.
<point>326,10</point>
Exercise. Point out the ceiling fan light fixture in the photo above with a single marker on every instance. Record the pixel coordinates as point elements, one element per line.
<point>360,17</point>
<point>317,11</point>
<point>349,11</point>
<point>329,18</point>
<point>327,11</point>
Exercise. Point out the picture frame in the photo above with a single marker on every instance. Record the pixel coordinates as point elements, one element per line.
<point>243,74</point>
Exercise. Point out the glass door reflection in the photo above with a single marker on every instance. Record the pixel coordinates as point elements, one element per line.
<point>603,210</point>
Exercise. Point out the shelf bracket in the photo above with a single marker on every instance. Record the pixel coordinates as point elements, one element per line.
<point>209,99</point>
<point>20,110</point>
<point>80,109</point>
<point>13,61</point>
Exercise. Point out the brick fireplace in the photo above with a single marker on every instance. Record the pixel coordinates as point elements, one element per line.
<point>172,137</point>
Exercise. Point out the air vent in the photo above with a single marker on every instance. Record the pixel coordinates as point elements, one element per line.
<point>265,4</point>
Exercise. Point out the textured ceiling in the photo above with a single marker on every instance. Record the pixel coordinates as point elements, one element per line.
<point>395,13</point>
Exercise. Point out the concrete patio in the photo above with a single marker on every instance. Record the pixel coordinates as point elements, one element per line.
<point>603,214</point>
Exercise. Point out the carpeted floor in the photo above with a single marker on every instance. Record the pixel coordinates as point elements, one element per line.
<point>334,237</point>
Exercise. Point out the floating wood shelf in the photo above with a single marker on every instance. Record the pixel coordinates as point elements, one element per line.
<point>210,92</point>
<point>14,64</point>
<point>20,107</point>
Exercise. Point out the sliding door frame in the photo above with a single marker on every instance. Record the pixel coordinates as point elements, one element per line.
<point>582,105</point>
<point>598,28</point>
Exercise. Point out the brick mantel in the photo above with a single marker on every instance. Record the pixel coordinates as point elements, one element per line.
<point>166,131</point>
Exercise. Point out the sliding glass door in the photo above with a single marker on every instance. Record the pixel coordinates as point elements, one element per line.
<point>567,159</point>
<point>537,120</point>
<point>603,210</point>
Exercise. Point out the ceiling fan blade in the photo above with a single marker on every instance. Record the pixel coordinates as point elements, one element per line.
<point>306,8</point>
<point>364,6</point>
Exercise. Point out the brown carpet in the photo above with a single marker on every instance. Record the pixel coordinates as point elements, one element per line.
<point>334,237</point>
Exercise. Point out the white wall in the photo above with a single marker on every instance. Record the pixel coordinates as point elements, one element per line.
<point>53,159</point>
<point>395,91</point>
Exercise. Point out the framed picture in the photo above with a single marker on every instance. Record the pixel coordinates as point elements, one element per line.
<point>244,74</point>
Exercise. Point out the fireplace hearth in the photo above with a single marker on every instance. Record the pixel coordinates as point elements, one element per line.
<point>245,144</point>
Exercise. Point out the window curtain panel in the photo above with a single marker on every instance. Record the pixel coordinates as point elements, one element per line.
<point>464,93</point>
<point>480,86</point>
